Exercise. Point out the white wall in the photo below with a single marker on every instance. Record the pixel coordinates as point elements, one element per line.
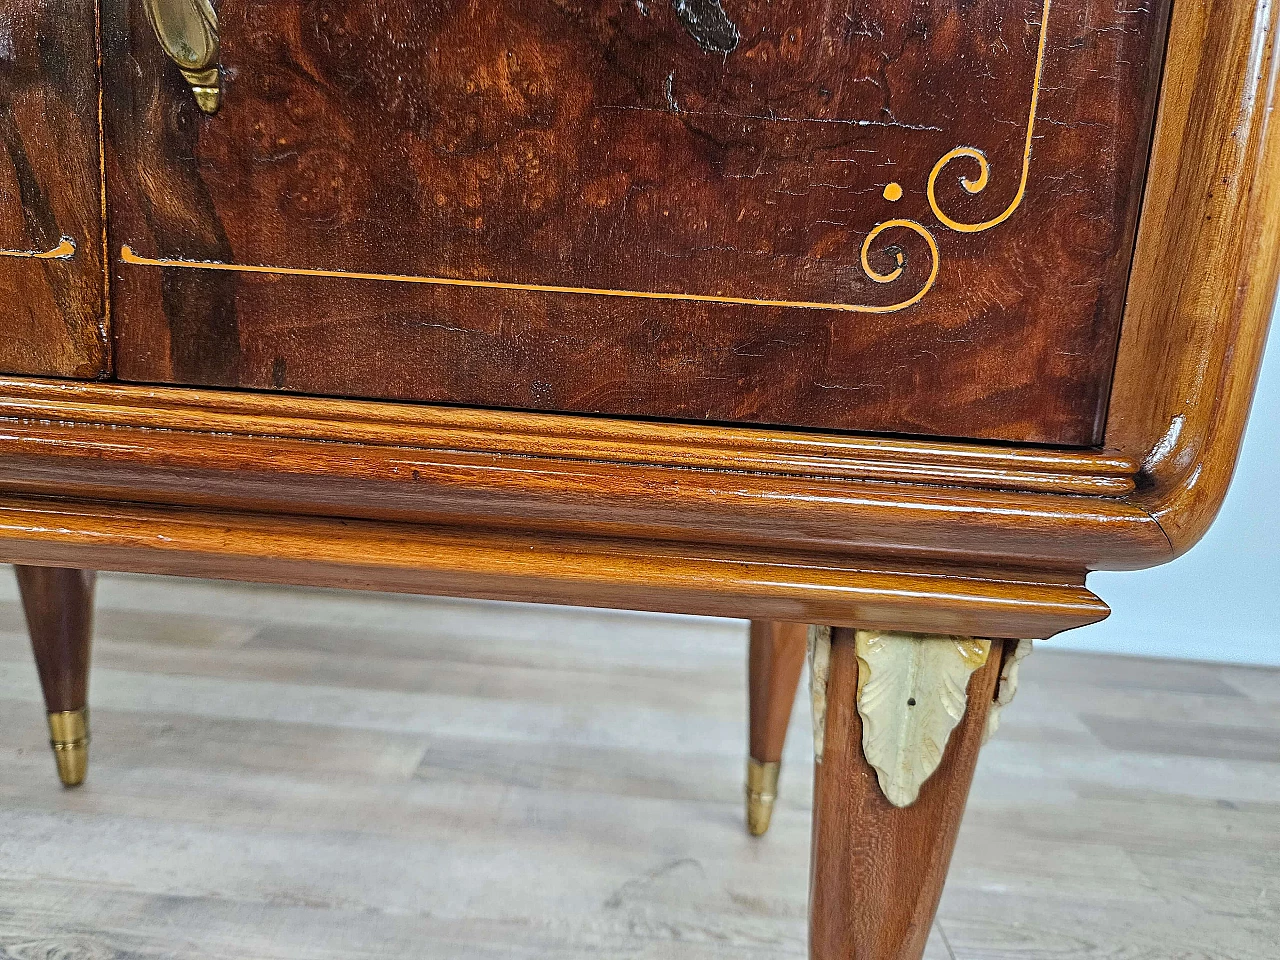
<point>1222,600</point>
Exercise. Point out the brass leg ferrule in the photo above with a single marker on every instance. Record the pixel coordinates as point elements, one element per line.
<point>69,737</point>
<point>762,791</point>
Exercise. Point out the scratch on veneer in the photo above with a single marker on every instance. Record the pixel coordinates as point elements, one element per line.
<point>708,24</point>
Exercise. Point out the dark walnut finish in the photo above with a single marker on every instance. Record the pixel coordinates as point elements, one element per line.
<point>52,317</point>
<point>59,607</point>
<point>933,537</point>
<point>790,151</point>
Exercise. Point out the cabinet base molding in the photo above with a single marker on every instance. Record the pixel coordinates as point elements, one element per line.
<point>502,564</point>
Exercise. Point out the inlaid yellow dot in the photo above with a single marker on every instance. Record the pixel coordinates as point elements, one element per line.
<point>893,192</point>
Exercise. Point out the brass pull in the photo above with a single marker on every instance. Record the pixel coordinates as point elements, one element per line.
<point>188,33</point>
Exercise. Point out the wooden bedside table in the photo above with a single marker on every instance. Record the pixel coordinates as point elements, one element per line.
<point>880,326</point>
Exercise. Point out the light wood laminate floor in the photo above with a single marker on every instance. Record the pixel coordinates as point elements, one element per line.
<point>282,773</point>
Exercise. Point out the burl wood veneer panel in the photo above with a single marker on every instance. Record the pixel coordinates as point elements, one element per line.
<point>878,215</point>
<point>51,276</point>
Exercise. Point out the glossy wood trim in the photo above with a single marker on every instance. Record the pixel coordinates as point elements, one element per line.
<point>479,562</point>
<point>58,603</point>
<point>696,446</point>
<point>780,525</point>
<point>772,512</point>
<point>1208,259</point>
<point>775,660</point>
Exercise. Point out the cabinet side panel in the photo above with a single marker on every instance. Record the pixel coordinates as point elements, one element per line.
<point>52,318</point>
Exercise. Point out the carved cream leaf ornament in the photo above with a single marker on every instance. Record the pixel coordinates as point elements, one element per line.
<point>819,668</point>
<point>912,692</point>
<point>1008,685</point>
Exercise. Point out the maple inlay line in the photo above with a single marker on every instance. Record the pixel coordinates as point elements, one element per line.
<point>127,255</point>
<point>63,251</point>
<point>893,192</point>
<point>984,167</point>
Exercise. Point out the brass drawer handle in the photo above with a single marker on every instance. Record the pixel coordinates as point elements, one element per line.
<point>188,33</point>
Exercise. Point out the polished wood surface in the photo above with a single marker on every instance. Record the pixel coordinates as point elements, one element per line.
<point>877,869</point>
<point>548,568</point>
<point>949,559</point>
<point>223,276</point>
<point>775,660</point>
<point>1204,280</point>
<point>52,300</point>
<point>1102,473</point>
<point>893,533</point>
<point>58,603</point>
<point>969,168</point>
<point>529,471</point>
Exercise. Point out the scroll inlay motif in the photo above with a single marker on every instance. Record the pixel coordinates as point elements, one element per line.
<point>889,230</point>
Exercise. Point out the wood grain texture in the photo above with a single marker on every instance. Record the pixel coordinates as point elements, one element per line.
<point>658,528</point>
<point>623,147</point>
<point>795,453</point>
<point>59,608</point>
<point>1204,281</point>
<point>52,319</point>
<point>775,660</point>
<point>877,869</point>
<point>959,538</point>
<point>545,568</point>
<point>282,455</point>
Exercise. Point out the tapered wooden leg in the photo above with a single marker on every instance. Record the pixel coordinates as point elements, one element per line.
<point>59,608</point>
<point>775,662</point>
<point>878,868</point>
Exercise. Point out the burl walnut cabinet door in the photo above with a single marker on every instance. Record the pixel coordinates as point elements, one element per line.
<point>52,320</point>
<point>886,215</point>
